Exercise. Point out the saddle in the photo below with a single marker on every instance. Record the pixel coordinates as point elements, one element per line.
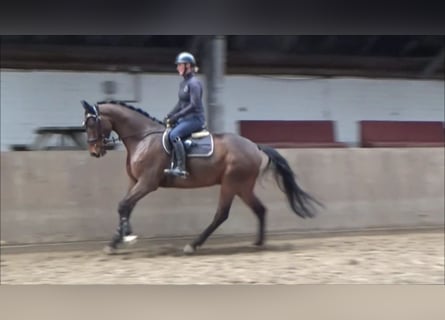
<point>198,144</point>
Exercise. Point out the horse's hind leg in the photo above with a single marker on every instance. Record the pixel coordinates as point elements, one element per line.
<point>259,209</point>
<point>222,213</point>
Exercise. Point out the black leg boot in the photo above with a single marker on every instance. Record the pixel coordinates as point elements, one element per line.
<point>172,160</point>
<point>180,155</point>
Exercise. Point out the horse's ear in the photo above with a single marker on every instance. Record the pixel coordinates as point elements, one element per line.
<point>88,108</point>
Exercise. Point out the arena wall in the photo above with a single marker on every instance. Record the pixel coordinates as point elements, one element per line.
<point>53,196</point>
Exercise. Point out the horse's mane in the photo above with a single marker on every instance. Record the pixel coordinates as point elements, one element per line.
<point>124,104</point>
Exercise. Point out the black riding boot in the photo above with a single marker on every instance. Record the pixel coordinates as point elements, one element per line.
<point>179,170</point>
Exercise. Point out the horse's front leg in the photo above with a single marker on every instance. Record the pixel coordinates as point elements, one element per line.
<point>125,229</point>
<point>126,206</point>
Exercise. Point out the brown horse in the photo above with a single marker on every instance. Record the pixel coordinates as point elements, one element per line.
<point>234,162</point>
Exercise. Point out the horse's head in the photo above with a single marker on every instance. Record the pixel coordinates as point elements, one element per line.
<point>98,129</point>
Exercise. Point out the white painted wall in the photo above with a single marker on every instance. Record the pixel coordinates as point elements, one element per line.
<point>344,100</point>
<point>30,99</point>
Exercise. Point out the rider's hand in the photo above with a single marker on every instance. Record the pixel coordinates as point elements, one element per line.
<point>173,119</point>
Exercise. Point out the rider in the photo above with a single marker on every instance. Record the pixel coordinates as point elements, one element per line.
<point>188,114</point>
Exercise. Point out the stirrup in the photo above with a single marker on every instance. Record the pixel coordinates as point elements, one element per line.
<point>177,172</point>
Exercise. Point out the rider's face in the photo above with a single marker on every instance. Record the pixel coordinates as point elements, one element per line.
<point>181,68</point>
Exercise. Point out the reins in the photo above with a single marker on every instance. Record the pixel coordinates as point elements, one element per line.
<point>146,134</point>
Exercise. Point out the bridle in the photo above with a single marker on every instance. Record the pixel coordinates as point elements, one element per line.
<point>98,126</point>
<point>101,137</point>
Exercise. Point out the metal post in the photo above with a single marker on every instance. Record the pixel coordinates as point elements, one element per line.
<point>215,69</point>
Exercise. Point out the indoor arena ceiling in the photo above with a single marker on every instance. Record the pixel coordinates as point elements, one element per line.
<point>385,56</point>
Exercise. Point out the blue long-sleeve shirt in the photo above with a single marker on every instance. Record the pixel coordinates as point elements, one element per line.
<point>190,99</point>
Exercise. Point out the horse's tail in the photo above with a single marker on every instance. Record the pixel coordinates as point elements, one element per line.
<point>300,201</point>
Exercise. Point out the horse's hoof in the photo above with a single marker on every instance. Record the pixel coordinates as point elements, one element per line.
<point>188,249</point>
<point>110,250</point>
<point>130,239</point>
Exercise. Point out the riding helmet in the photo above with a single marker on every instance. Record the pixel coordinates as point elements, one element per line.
<point>185,57</point>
